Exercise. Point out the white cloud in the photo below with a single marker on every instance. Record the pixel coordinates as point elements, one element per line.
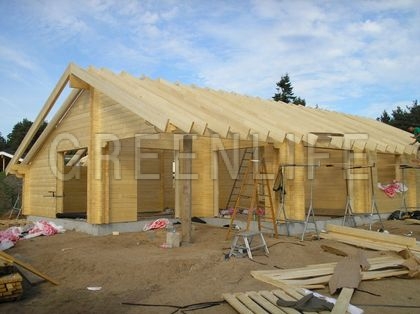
<point>336,52</point>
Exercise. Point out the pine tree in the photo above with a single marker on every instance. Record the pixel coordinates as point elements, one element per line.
<point>285,92</point>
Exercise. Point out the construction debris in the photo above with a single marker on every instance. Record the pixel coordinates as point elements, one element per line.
<point>317,276</point>
<point>11,235</point>
<point>347,276</point>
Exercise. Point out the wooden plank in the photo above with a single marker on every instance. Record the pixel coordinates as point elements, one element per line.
<point>372,235</point>
<point>273,299</point>
<point>343,301</point>
<point>316,276</point>
<point>254,307</point>
<point>285,296</point>
<point>367,243</point>
<point>270,307</point>
<point>236,304</point>
<point>8,257</point>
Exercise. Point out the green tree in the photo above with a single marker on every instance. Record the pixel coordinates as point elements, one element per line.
<point>18,133</point>
<point>2,143</point>
<point>402,118</point>
<point>285,92</point>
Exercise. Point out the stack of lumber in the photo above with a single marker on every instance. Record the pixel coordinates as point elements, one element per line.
<point>10,287</point>
<point>317,276</point>
<point>10,282</point>
<point>370,239</point>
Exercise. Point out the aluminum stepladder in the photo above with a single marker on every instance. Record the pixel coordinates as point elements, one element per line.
<point>238,248</point>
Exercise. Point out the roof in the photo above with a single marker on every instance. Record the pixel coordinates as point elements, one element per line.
<point>6,154</point>
<point>204,111</point>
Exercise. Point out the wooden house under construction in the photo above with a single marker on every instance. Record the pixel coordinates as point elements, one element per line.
<point>119,146</point>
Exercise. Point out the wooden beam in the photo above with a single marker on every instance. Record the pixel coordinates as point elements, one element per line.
<point>41,116</point>
<point>114,90</point>
<point>14,260</point>
<point>75,82</point>
<point>65,107</point>
<point>373,236</point>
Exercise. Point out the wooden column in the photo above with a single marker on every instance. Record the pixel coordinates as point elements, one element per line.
<point>359,178</point>
<point>59,190</point>
<point>186,198</point>
<point>295,178</point>
<point>98,193</point>
<point>215,178</point>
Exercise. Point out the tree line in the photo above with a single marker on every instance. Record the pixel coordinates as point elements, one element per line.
<point>11,142</point>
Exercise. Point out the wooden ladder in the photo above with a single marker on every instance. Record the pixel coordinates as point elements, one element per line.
<point>237,184</point>
<point>255,186</point>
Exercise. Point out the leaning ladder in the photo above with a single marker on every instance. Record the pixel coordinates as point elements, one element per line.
<point>261,200</point>
<point>237,184</point>
<point>17,206</point>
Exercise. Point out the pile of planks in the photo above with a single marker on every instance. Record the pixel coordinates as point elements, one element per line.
<point>10,282</point>
<point>317,276</point>
<point>371,239</point>
<point>10,287</point>
<point>266,301</point>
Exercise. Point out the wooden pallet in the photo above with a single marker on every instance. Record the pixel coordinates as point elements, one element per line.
<point>265,301</point>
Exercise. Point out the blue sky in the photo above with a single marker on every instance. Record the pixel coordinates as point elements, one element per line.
<point>359,57</point>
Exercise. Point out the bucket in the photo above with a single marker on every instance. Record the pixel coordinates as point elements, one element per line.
<point>173,239</point>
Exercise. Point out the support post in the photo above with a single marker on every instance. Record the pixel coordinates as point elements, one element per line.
<point>186,198</point>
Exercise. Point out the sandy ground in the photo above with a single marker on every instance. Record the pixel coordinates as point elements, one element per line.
<point>132,267</point>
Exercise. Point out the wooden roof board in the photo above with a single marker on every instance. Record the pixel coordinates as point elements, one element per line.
<point>216,122</point>
<point>264,113</point>
<point>118,90</point>
<point>216,111</point>
<point>198,125</point>
<point>347,125</point>
<point>241,113</point>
